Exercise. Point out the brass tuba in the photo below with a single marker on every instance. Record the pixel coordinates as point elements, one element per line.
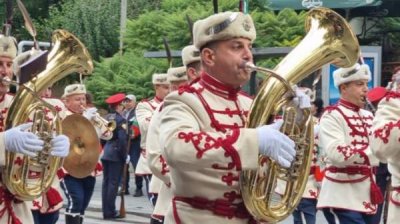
<point>67,56</point>
<point>329,40</point>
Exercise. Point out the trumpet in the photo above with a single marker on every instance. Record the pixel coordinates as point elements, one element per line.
<point>105,127</point>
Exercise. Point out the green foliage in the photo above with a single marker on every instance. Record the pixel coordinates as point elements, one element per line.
<point>281,30</point>
<point>138,7</point>
<point>37,9</point>
<point>392,24</point>
<point>168,18</point>
<point>170,21</point>
<point>94,22</point>
<point>130,73</point>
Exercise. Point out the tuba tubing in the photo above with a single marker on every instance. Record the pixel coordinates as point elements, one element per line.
<point>329,39</point>
<point>67,56</point>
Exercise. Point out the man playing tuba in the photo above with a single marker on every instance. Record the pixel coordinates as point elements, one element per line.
<point>17,139</point>
<point>202,131</point>
<point>45,209</point>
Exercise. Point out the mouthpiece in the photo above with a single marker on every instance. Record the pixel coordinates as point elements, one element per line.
<point>369,106</point>
<point>247,65</point>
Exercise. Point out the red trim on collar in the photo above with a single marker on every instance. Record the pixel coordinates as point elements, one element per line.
<point>215,86</point>
<point>158,100</point>
<point>349,105</point>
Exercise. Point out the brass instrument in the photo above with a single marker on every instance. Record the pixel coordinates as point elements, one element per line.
<point>329,40</point>
<point>85,146</point>
<point>67,56</point>
<point>369,106</point>
<point>106,127</point>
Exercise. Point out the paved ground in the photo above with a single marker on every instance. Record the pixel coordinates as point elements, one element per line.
<point>138,209</point>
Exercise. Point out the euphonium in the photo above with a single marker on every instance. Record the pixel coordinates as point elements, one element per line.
<point>67,56</point>
<point>329,40</point>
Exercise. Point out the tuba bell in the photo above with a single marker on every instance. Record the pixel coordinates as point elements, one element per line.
<point>329,40</point>
<point>67,56</point>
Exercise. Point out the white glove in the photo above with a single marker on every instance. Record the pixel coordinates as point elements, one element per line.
<point>128,159</point>
<point>60,146</point>
<point>301,99</point>
<point>90,113</point>
<point>19,140</point>
<point>316,130</point>
<point>274,144</point>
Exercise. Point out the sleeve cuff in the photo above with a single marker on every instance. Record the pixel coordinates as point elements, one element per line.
<point>248,148</point>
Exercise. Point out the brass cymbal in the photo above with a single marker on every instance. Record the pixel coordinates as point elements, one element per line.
<point>84,151</point>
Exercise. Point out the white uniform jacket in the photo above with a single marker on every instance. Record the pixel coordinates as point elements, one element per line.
<point>206,147</point>
<point>144,113</point>
<point>158,166</point>
<point>12,209</point>
<point>349,178</point>
<point>385,143</point>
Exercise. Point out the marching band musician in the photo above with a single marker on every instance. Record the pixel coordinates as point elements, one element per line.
<point>18,140</point>
<point>78,191</point>
<point>175,77</point>
<point>191,59</point>
<point>202,129</point>
<point>114,157</point>
<point>45,209</point>
<point>385,145</point>
<point>374,96</point>
<point>348,189</point>
<point>144,113</point>
<point>157,163</point>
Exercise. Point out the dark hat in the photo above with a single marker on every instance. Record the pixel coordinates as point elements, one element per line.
<point>116,98</point>
<point>376,94</point>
